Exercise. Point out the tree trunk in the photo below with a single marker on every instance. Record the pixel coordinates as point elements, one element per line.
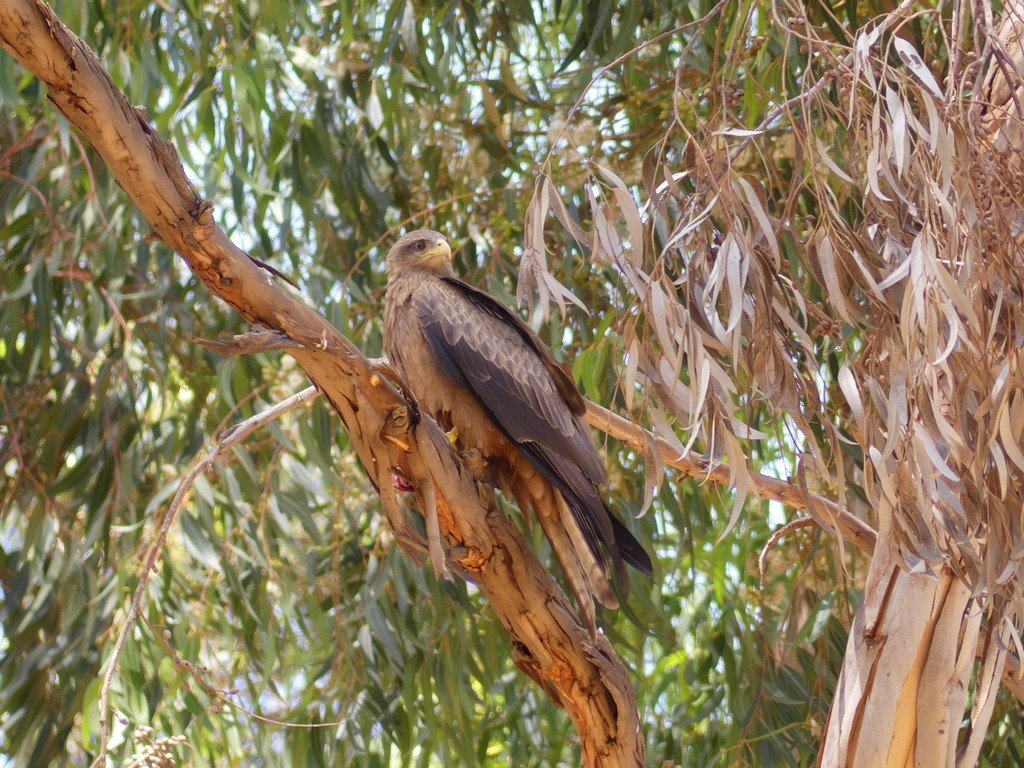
<point>908,670</point>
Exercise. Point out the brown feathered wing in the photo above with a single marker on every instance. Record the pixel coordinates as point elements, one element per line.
<point>485,349</point>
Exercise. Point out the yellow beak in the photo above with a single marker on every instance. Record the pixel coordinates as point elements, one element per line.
<point>439,255</point>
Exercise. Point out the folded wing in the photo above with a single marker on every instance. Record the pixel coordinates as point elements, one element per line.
<point>490,351</point>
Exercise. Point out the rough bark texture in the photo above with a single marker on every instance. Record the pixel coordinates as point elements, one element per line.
<point>585,677</point>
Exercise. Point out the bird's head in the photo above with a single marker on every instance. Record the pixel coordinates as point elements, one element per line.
<point>421,251</point>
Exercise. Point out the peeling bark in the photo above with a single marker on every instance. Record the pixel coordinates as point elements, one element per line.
<point>907,670</point>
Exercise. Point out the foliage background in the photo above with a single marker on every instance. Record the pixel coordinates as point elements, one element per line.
<point>284,627</point>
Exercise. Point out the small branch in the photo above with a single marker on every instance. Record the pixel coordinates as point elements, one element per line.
<point>256,340</point>
<point>792,525</point>
<point>896,15</point>
<point>231,438</point>
<point>851,528</point>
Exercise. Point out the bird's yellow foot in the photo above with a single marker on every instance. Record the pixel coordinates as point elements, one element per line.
<point>452,435</point>
<point>477,465</point>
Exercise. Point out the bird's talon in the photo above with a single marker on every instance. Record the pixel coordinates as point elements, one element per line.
<point>452,435</point>
<point>476,464</point>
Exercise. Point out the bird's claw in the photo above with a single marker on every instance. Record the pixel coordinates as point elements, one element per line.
<point>476,463</point>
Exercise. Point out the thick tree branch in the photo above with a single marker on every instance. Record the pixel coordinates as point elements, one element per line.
<point>586,678</point>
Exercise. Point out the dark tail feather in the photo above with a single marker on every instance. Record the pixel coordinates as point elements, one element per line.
<point>632,551</point>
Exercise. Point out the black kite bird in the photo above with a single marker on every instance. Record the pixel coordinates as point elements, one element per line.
<point>478,368</point>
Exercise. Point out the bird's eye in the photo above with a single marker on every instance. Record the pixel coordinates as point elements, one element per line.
<point>420,245</point>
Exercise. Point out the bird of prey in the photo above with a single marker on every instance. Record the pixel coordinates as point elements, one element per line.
<point>479,369</point>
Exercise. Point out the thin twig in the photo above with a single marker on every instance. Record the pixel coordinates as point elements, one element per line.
<point>231,438</point>
<point>897,14</point>
<point>792,525</point>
